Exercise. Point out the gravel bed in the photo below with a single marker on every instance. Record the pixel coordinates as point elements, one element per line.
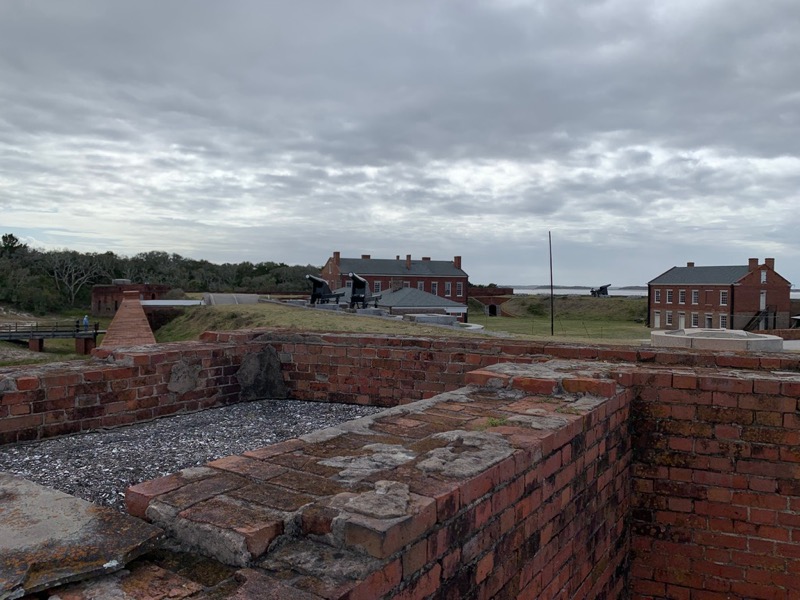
<point>98,466</point>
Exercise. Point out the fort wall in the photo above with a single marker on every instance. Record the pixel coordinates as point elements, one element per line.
<point>681,483</point>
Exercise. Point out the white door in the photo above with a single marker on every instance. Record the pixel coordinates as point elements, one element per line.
<point>656,320</point>
<point>681,321</point>
<point>762,305</point>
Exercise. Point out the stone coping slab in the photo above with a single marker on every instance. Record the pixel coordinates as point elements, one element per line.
<point>48,538</point>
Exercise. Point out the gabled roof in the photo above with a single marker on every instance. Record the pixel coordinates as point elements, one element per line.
<point>702,275</point>
<point>397,267</point>
<point>409,297</point>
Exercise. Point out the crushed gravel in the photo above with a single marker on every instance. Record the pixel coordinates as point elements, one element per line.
<point>99,466</point>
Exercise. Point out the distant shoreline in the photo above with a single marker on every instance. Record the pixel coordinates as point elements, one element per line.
<point>572,287</point>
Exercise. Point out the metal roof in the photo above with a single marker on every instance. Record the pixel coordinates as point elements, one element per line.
<point>397,267</point>
<point>408,297</point>
<point>702,275</point>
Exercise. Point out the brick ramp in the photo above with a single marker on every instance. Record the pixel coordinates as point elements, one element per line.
<point>414,498</point>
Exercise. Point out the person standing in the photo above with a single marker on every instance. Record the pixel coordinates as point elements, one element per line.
<point>86,322</point>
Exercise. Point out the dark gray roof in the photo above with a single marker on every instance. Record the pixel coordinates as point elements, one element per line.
<point>397,267</point>
<point>702,275</point>
<point>409,297</point>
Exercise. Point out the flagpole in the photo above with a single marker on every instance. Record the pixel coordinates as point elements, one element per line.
<point>550,245</point>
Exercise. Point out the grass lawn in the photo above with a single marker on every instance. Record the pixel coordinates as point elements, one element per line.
<point>582,319</point>
<point>566,328</point>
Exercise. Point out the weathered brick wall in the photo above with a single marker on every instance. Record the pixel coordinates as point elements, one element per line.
<point>390,370</point>
<point>716,497</point>
<point>37,402</point>
<point>716,462</point>
<point>516,487</point>
<point>134,385</point>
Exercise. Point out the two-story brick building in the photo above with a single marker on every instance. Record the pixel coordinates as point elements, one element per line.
<point>442,278</point>
<point>751,296</point>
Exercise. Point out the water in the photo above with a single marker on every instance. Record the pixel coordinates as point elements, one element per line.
<point>794,294</point>
<point>577,291</point>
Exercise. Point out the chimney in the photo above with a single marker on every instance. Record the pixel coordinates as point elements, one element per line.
<point>752,264</point>
<point>408,262</point>
<point>770,262</point>
<point>365,257</point>
<point>337,257</point>
<point>397,257</point>
<point>689,264</point>
<point>426,258</point>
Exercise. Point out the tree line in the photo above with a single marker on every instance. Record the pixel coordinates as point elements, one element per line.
<point>42,281</point>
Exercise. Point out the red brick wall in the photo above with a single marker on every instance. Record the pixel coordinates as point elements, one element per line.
<point>381,370</point>
<point>716,496</point>
<point>38,402</point>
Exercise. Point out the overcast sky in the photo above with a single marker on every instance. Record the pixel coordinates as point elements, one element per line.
<point>642,133</point>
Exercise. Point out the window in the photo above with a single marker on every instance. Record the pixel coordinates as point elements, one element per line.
<point>695,320</point>
<point>448,288</point>
<point>459,288</point>
<point>376,287</point>
<point>348,283</point>
<point>656,295</point>
<point>668,317</point>
<point>695,296</point>
<point>435,288</point>
<point>406,284</point>
<point>669,296</point>
<point>763,277</point>
<point>681,296</point>
<point>723,321</point>
<point>421,286</point>
<point>723,297</point>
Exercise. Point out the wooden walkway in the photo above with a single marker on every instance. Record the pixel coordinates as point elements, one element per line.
<point>36,333</point>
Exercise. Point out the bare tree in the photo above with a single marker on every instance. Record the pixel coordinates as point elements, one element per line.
<point>72,270</point>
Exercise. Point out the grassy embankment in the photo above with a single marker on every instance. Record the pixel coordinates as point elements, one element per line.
<point>616,319</point>
<point>578,318</point>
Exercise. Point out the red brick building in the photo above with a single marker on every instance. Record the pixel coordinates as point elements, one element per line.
<point>106,299</point>
<point>752,296</point>
<point>442,278</point>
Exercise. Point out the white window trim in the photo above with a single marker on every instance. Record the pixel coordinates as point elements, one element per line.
<point>695,319</point>
<point>723,293</point>
<point>695,296</point>
<point>656,296</point>
<point>681,296</point>
<point>421,286</point>
<point>670,296</point>
<point>459,288</point>
<point>448,289</point>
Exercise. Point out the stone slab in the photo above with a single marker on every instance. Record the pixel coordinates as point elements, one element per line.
<point>48,538</point>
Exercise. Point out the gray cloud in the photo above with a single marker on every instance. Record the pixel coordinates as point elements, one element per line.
<point>641,134</point>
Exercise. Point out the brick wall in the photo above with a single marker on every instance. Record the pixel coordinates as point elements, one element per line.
<point>38,402</point>
<point>715,493</point>
<point>134,385</point>
<point>716,496</point>
<point>517,487</point>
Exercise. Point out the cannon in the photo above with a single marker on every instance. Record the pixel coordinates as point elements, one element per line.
<point>359,292</point>
<point>321,291</point>
<point>600,292</point>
